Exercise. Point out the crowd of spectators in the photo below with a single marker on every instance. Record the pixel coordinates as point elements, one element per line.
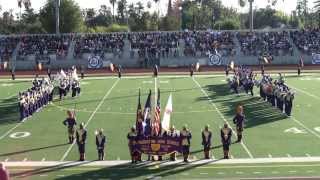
<point>7,46</point>
<point>272,43</point>
<point>99,44</point>
<point>150,47</point>
<point>44,45</point>
<point>206,41</point>
<point>307,41</point>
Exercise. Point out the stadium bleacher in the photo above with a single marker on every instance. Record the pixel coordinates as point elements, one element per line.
<point>149,47</point>
<point>307,41</point>
<point>272,43</point>
<point>7,46</point>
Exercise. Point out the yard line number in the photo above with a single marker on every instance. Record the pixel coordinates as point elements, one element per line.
<point>296,130</point>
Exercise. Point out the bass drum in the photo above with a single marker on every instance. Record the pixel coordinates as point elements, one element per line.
<point>267,88</point>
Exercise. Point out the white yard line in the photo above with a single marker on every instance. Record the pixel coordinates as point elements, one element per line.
<point>91,117</point>
<point>8,132</point>
<point>305,92</point>
<point>11,96</point>
<point>308,129</point>
<point>221,115</point>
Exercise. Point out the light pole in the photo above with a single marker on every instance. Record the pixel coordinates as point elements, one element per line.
<point>57,6</point>
<point>180,11</point>
<point>251,15</point>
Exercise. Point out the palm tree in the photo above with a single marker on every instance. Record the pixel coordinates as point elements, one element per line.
<point>317,7</point>
<point>242,3</point>
<point>113,2</point>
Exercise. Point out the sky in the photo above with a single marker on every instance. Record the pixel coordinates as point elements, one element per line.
<point>284,5</point>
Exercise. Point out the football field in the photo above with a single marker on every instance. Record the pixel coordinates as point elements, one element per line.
<point>274,145</point>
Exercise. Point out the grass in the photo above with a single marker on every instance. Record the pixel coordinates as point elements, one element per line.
<point>110,104</point>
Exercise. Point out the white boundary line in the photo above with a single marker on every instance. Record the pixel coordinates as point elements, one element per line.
<point>90,118</point>
<point>8,132</point>
<point>241,162</point>
<point>221,115</point>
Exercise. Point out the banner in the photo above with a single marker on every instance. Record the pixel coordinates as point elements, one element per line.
<point>315,58</point>
<point>158,145</point>
<point>214,59</point>
<point>95,62</point>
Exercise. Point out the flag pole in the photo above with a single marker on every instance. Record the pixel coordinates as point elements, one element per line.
<point>155,93</point>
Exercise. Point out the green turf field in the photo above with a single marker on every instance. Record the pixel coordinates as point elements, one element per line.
<point>110,103</point>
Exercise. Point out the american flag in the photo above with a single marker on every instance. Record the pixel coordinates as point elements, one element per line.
<point>156,122</point>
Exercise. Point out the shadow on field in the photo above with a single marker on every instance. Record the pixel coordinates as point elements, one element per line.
<point>129,171</point>
<point>71,101</point>
<point>9,111</point>
<point>212,148</point>
<point>257,111</point>
<point>34,149</point>
<point>44,170</point>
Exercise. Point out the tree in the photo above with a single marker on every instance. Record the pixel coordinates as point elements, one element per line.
<point>122,11</point>
<point>113,2</point>
<point>242,3</point>
<point>30,22</point>
<point>70,16</point>
<point>317,7</point>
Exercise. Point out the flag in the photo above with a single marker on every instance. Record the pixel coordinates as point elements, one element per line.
<point>4,65</point>
<point>63,74</point>
<point>146,116</point>
<point>167,113</point>
<point>197,66</point>
<point>266,60</point>
<point>39,66</point>
<point>75,74</point>
<point>139,118</point>
<point>111,67</point>
<point>301,62</point>
<point>156,121</point>
<point>232,65</point>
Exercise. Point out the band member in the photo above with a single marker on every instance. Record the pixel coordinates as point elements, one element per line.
<point>288,101</point>
<point>100,142</point>
<point>262,70</point>
<point>71,123</point>
<point>82,72</point>
<point>49,73</point>
<point>13,75</point>
<point>206,141</point>
<point>191,70</point>
<point>186,136</point>
<point>227,70</point>
<point>81,141</point>
<point>62,89</point>
<point>238,120</point>
<point>119,69</point>
<point>226,134</point>
<point>173,133</point>
<point>132,136</point>
<point>155,71</point>
<point>75,88</point>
